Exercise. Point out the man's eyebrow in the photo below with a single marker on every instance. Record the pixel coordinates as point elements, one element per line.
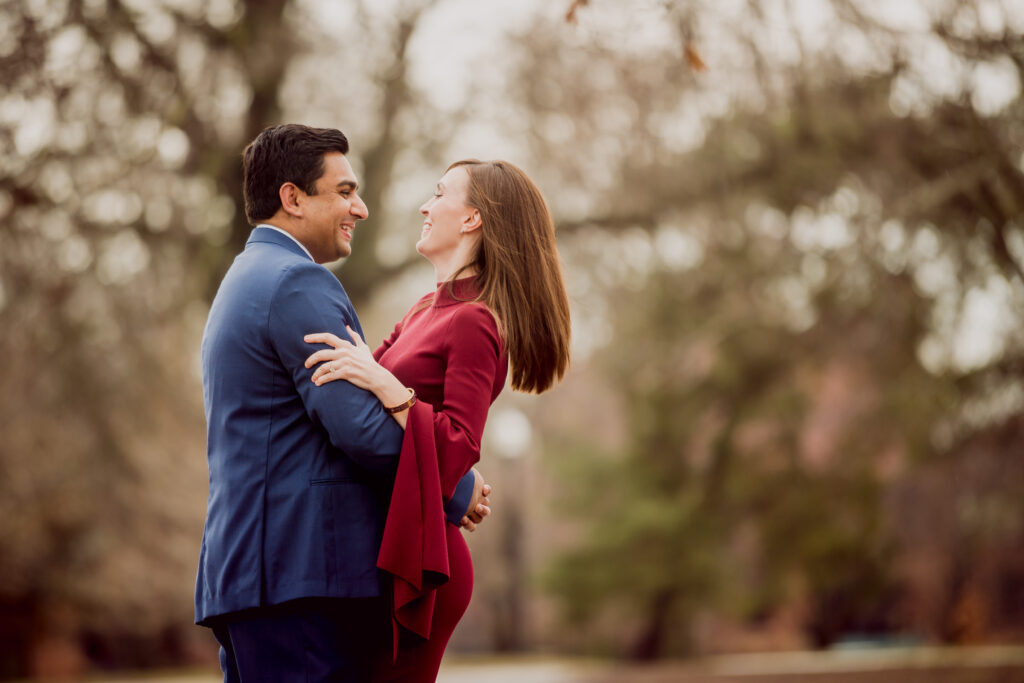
<point>348,184</point>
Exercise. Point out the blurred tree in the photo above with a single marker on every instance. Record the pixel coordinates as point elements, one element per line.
<point>121,126</point>
<point>839,177</point>
<point>747,423</point>
<point>849,218</point>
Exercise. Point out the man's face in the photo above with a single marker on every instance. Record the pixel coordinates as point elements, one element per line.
<point>329,216</point>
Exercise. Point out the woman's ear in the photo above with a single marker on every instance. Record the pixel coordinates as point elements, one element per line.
<point>289,194</point>
<point>471,222</point>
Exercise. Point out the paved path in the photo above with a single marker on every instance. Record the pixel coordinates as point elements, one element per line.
<point>519,671</point>
<point>463,671</point>
<point>880,665</point>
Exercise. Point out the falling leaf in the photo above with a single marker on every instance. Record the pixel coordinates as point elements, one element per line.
<point>693,57</point>
<point>570,16</point>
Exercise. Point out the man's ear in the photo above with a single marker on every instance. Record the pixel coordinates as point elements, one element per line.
<point>471,222</point>
<point>290,195</point>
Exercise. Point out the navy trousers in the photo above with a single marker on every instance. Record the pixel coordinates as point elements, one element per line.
<point>304,641</point>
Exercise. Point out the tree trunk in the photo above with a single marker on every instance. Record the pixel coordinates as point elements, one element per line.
<point>650,645</point>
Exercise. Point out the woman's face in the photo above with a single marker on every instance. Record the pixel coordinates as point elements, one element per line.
<point>446,214</point>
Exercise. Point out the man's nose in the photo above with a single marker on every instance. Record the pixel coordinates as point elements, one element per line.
<point>359,209</point>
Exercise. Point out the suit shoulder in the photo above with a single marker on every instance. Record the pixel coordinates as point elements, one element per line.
<point>301,272</point>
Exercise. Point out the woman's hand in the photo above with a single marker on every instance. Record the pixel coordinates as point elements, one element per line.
<point>344,360</point>
<point>354,362</point>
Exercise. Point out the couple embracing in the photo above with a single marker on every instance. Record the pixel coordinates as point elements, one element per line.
<point>340,477</point>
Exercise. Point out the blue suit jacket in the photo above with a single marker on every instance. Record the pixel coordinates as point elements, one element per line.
<point>300,475</point>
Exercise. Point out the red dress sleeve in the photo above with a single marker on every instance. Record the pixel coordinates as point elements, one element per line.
<point>474,358</point>
<point>440,445</point>
<point>414,549</point>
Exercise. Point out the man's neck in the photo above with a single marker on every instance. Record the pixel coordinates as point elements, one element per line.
<point>285,231</point>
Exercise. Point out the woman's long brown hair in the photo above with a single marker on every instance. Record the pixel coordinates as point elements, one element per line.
<point>520,273</point>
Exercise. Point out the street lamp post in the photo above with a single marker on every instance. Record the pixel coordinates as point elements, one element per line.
<point>511,435</point>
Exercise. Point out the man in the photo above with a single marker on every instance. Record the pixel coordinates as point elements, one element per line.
<point>300,475</point>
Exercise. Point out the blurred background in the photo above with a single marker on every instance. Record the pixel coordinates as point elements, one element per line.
<point>793,235</point>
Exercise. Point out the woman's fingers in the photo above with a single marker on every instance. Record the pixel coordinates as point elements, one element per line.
<point>344,360</point>
<point>324,369</point>
<point>356,339</point>
<point>321,356</point>
<point>330,371</point>
<point>324,338</point>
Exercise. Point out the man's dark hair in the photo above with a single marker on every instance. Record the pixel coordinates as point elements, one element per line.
<point>291,153</point>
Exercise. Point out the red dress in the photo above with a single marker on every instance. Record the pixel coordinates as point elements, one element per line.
<point>449,350</point>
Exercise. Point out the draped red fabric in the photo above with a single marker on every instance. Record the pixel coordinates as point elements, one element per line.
<point>447,348</point>
<point>414,551</point>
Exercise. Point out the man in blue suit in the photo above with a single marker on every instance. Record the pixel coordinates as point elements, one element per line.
<point>300,475</point>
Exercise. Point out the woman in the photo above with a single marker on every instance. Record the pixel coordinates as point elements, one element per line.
<point>500,301</point>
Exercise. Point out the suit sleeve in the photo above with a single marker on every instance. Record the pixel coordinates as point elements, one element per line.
<point>474,352</point>
<point>458,507</point>
<point>310,299</point>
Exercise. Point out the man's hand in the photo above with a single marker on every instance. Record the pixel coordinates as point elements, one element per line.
<point>479,505</point>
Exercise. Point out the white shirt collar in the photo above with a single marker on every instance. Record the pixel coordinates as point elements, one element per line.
<point>290,236</point>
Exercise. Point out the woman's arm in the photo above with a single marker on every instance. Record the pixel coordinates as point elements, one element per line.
<point>474,371</point>
<point>354,362</point>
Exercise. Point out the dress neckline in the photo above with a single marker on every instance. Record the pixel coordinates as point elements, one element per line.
<point>458,291</point>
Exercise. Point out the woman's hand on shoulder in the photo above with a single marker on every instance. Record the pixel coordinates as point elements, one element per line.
<point>353,361</point>
<point>346,360</point>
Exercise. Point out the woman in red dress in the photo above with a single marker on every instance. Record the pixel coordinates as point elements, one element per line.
<point>500,301</point>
